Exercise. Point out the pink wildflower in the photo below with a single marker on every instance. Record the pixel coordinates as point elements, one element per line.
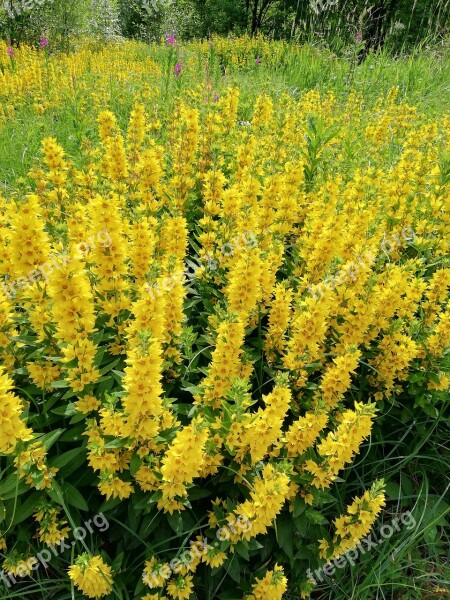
<point>178,69</point>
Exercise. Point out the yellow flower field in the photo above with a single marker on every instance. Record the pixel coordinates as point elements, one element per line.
<point>202,318</point>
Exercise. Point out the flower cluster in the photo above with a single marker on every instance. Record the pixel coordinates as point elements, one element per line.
<point>91,576</point>
<point>174,365</point>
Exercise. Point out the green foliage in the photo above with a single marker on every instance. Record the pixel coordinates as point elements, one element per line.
<point>139,19</point>
<point>58,20</point>
<point>221,16</point>
<point>396,24</point>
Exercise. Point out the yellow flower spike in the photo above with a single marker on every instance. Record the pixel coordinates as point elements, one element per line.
<point>357,522</point>
<point>339,447</point>
<point>180,588</point>
<point>12,427</point>
<point>91,575</point>
<point>182,462</point>
<point>52,528</point>
<point>273,585</point>
<point>225,363</point>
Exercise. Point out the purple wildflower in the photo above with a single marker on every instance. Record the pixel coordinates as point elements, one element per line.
<point>258,60</point>
<point>178,69</point>
<point>216,98</point>
<point>44,42</point>
<point>10,51</point>
<point>171,41</point>
<point>359,37</point>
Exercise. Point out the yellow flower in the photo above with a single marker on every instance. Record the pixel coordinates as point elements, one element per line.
<point>12,427</point>
<point>182,462</point>
<point>52,528</point>
<point>19,565</point>
<point>339,447</point>
<point>225,363</point>
<point>267,498</point>
<point>156,573</point>
<point>114,487</point>
<point>258,432</point>
<point>304,431</point>
<point>181,587</point>
<point>279,316</point>
<point>43,374</point>
<point>273,585</point>
<point>358,520</point>
<point>31,463</point>
<point>91,575</point>
<point>87,404</point>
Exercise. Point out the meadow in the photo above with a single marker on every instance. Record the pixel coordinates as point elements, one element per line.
<point>224,321</point>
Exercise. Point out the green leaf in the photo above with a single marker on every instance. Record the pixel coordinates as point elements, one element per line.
<point>233,569</point>
<point>242,550</point>
<point>176,522</point>
<point>8,484</point>
<point>75,434</point>
<point>393,491</point>
<point>62,383</point>
<point>50,438</point>
<point>109,367</point>
<point>109,504</point>
<point>285,534</point>
<point>22,489</point>
<point>117,562</point>
<point>77,418</point>
<point>430,535</point>
<point>135,464</point>
<point>299,506</point>
<point>67,457</point>
<point>315,516</point>
<point>304,553</point>
<point>254,545</point>
<point>25,509</point>
<point>196,493</point>
<point>192,389</point>
<point>12,486</point>
<point>149,524</point>
<point>65,411</point>
<point>117,443</point>
<point>407,486</point>
<point>74,497</point>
